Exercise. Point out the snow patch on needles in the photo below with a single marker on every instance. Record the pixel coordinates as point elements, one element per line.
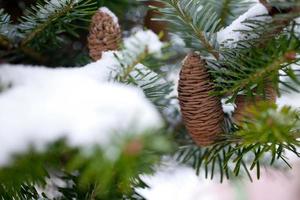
<point>144,40</point>
<point>46,106</point>
<point>231,34</point>
<point>172,181</point>
<point>110,13</point>
<point>80,104</point>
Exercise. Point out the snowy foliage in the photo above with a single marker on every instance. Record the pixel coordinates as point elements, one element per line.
<point>80,104</point>
<point>233,34</point>
<point>144,40</point>
<point>111,14</point>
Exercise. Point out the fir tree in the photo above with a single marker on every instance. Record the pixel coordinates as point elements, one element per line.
<point>237,51</point>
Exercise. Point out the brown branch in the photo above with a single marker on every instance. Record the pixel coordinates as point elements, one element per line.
<point>268,6</point>
<point>272,10</point>
<point>33,54</point>
<point>4,42</point>
<point>264,72</point>
<point>278,23</point>
<point>41,27</point>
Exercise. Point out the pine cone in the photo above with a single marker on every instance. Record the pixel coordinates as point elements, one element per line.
<point>242,102</point>
<point>202,113</point>
<point>105,33</point>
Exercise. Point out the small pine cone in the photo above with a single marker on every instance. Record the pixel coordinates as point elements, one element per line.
<point>104,35</point>
<point>242,102</point>
<point>202,113</point>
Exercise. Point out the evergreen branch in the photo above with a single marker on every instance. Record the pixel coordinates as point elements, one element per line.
<point>228,10</point>
<point>266,133</point>
<point>282,17</point>
<point>125,75</point>
<point>248,68</point>
<point>266,123</point>
<point>155,87</point>
<point>199,33</point>
<point>53,14</point>
<point>199,20</point>
<point>132,71</point>
<point>42,26</point>
<point>6,30</point>
<point>84,175</point>
<point>33,54</point>
<point>225,11</point>
<point>258,75</point>
<point>29,169</point>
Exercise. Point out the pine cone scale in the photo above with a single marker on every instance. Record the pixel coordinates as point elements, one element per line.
<point>202,113</point>
<point>105,34</point>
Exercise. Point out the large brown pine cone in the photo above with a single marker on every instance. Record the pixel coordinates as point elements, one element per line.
<point>104,35</point>
<point>242,102</point>
<point>202,113</point>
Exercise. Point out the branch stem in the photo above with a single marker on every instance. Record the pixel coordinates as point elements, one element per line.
<point>224,12</point>
<point>4,42</point>
<point>131,67</point>
<point>274,66</point>
<point>199,33</point>
<point>41,27</point>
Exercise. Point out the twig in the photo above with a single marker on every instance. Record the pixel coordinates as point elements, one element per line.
<point>40,28</point>
<point>198,32</point>
<point>224,12</point>
<point>4,42</point>
<point>33,54</point>
<point>276,65</point>
<point>279,23</point>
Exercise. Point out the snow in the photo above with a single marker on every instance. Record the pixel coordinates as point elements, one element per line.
<point>289,100</point>
<point>110,66</point>
<point>173,181</point>
<point>110,13</point>
<point>232,34</point>
<point>104,69</point>
<point>84,110</point>
<point>52,6</point>
<point>81,104</point>
<point>145,40</point>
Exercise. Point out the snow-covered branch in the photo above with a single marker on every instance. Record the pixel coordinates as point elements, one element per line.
<point>80,104</point>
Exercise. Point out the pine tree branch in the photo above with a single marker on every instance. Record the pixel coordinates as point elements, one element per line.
<point>50,20</point>
<point>199,33</point>
<point>225,11</point>
<point>33,54</point>
<point>126,73</point>
<point>244,67</point>
<point>198,20</point>
<point>278,22</point>
<point>46,23</point>
<point>260,74</point>
<point>155,87</point>
<point>84,176</point>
